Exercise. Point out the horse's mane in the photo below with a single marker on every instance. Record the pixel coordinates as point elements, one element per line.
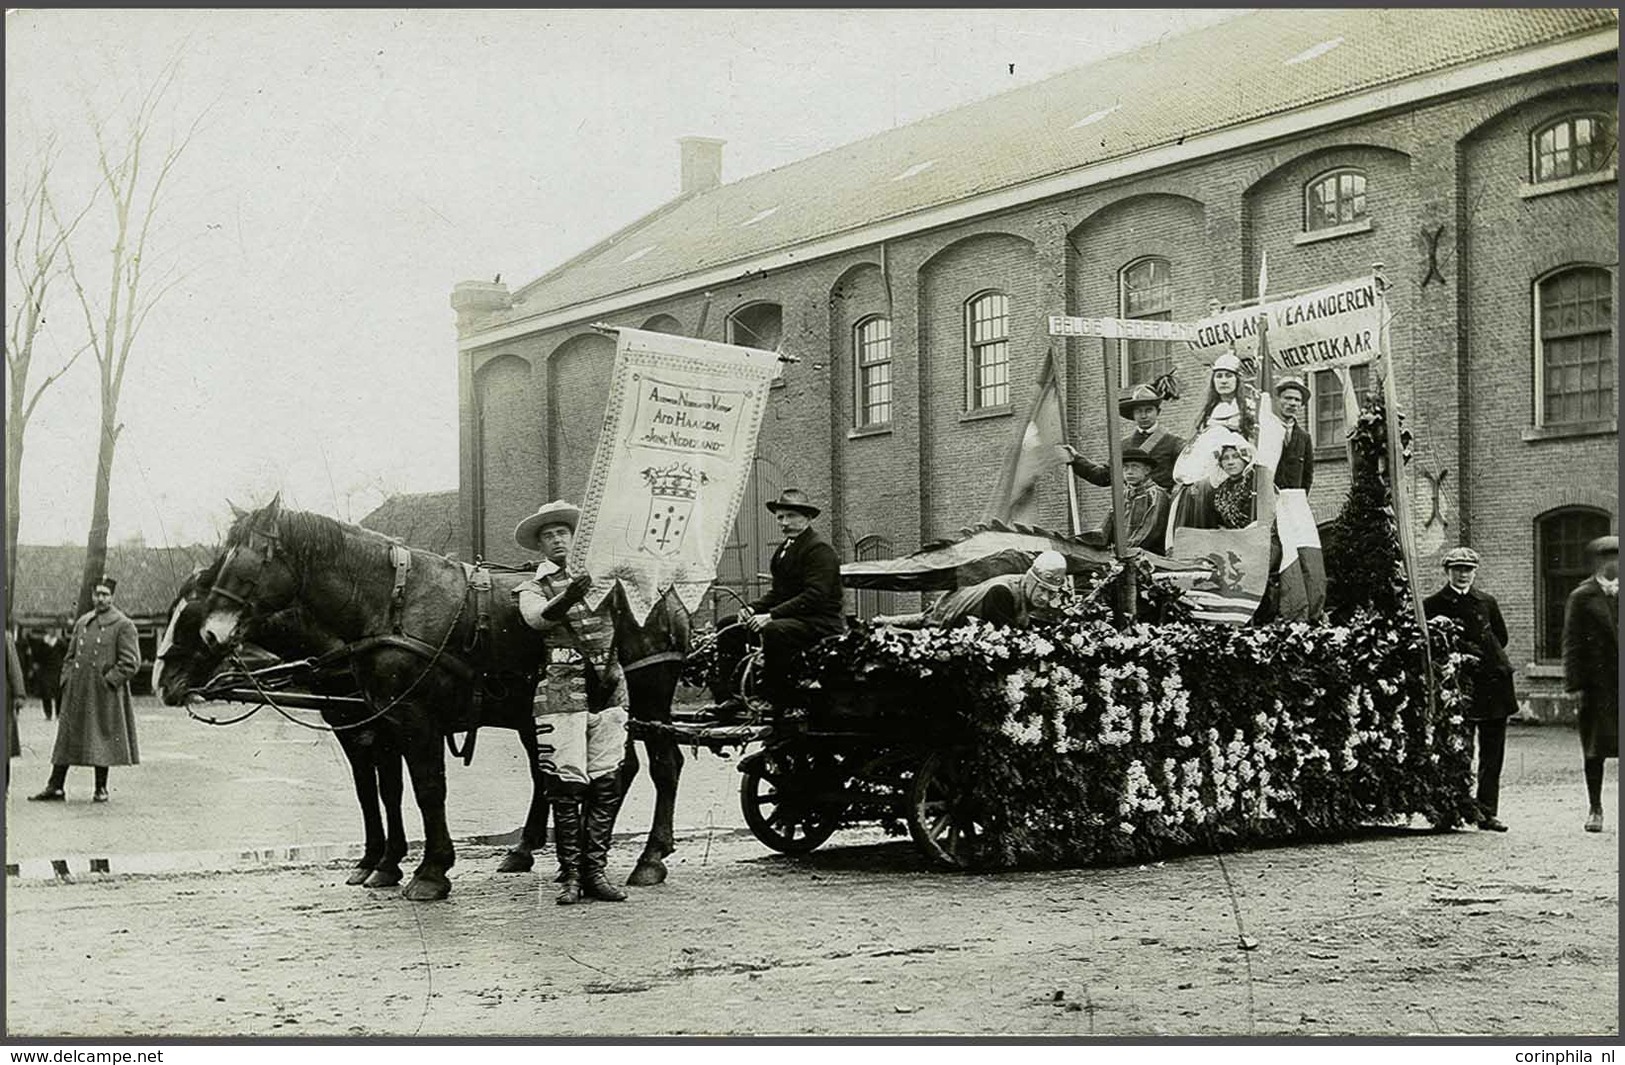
<point>313,540</point>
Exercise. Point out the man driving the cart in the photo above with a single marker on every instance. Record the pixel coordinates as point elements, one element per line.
<point>1011,599</point>
<point>802,606</point>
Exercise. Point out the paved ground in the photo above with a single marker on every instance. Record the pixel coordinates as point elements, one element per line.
<point>267,784</point>
<point>1398,932</point>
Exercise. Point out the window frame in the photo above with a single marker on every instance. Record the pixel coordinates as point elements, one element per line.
<point>1128,348</point>
<point>860,404</point>
<point>1538,345</point>
<point>1335,174</point>
<point>755,340</point>
<point>1543,601</point>
<point>1336,443</point>
<point>973,386</point>
<point>1606,122</point>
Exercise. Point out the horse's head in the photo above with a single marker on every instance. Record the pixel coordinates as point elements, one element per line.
<point>255,578</point>
<point>183,661</point>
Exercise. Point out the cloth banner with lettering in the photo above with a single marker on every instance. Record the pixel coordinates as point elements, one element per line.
<point>671,466</point>
<point>1332,326</point>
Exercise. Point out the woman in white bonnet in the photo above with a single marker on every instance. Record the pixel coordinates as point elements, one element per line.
<point>1229,413</point>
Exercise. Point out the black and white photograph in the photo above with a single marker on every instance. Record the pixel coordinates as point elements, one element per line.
<point>758,524</point>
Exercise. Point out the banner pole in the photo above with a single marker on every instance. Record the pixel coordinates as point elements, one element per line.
<point>1398,496</point>
<point>1130,593</point>
<point>1066,438</point>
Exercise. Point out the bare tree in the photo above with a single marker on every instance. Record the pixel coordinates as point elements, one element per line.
<point>35,239</point>
<point>134,175</point>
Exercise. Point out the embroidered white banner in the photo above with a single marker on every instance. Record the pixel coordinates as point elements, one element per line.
<point>670,470</point>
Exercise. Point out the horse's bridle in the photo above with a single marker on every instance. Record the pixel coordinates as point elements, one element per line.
<point>267,554</point>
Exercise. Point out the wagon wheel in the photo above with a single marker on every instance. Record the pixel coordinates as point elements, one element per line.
<point>793,798</point>
<point>940,819</point>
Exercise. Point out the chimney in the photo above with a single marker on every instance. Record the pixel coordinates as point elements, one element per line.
<point>701,163</point>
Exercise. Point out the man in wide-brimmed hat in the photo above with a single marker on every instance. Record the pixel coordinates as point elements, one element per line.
<point>1141,405</point>
<point>1484,635</point>
<point>581,706</point>
<point>1591,665</point>
<point>804,603</point>
<point>96,723</point>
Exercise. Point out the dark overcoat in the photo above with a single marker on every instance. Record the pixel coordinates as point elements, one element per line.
<point>1484,634</point>
<point>806,585</point>
<point>96,723</point>
<point>1591,665</point>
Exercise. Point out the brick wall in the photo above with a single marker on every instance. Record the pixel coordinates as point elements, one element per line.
<point>1461,250</point>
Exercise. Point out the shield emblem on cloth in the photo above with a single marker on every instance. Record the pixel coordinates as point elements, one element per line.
<point>666,525</point>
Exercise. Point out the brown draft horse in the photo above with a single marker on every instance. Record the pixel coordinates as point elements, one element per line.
<point>417,648</point>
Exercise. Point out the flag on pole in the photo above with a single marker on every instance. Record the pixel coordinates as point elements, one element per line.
<point>1034,453</point>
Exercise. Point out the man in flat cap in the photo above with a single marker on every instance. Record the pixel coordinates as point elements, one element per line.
<point>1483,635</point>
<point>1591,665</point>
<point>96,721</point>
<point>803,605</point>
<point>1296,466</point>
<point>1142,406</point>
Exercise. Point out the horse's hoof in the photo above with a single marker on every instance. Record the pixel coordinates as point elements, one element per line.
<point>649,872</point>
<point>383,876</point>
<point>359,875</point>
<point>423,889</point>
<point>516,862</point>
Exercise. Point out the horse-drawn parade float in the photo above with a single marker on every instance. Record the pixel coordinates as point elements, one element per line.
<point>1221,695</point>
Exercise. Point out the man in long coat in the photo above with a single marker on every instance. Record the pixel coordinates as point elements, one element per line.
<point>96,723</point>
<point>1484,635</point>
<point>1591,665</point>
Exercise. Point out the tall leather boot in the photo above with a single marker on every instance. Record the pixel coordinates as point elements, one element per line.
<point>567,835</point>
<point>603,805</point>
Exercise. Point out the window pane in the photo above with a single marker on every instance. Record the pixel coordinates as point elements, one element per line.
<point>1561,561</point>
<point>1577,349</point>
<point>1335,199</point>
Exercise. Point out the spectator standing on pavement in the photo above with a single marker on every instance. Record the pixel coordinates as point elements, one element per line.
<point>1591,665</point>
<point>1484,635</point>
<point>45,667</point>
<point>14,699</point>
<point>96,723</point>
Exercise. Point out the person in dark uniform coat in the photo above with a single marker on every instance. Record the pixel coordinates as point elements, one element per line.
<point>802,606</point>
<point>1142,406</point>
<point>1296,468</point>
<point>1484,634</point>
<point>1591,665</point>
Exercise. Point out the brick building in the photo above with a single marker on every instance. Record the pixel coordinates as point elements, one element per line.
<point>1472,152</point>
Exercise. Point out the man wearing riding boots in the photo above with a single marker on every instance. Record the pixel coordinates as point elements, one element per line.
<point>1142,406</point>
<point>1484,635</point>
<point>96,722</point>
<point>1014,600</point>
<point>581,706</point>
<point>803,605</point>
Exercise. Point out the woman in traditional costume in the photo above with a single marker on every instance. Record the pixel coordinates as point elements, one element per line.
<point>1230,412</point>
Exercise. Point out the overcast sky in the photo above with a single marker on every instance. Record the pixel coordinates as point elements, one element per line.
<point>353,166</point>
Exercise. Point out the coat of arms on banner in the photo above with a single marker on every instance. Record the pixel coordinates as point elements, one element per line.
<point>673,491</point>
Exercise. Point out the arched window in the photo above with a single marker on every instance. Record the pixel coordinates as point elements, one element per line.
<point>757,325</point>
<point>1335,198</point>
<point>1145,290</point>
<point>871,346</point>
<point>872,601</point>
<point>1560,565</point>
<point>664,323</point>
<point>1575,356</point>
<point>1571,146</point>
<point>987,351</point>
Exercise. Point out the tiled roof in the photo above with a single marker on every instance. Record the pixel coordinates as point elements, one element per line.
<point>1203,81</point>
<point>427,520</point>
<point>148,578</point>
